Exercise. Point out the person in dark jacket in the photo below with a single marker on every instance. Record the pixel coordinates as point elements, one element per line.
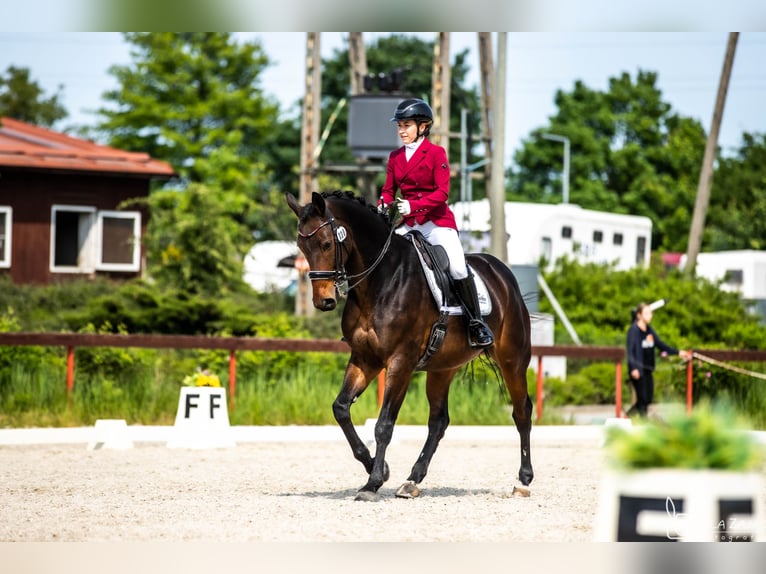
<point>642,342</point>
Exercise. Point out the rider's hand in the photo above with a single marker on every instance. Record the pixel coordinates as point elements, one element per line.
<point>382,208</point>
<point>403,206</point>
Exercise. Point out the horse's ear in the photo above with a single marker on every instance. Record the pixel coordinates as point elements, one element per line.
<point>318,202</point>
<point>293,203</point>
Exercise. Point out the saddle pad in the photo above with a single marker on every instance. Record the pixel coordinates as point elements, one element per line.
<point>485,303</point>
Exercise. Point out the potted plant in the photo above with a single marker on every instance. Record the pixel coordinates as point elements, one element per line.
<point>688,478</point>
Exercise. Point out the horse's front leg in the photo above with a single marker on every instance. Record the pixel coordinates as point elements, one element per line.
<point>355,381</point>
<point>396,389</point>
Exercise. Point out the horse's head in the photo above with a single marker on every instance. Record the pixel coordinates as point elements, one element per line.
<point>321,239</point>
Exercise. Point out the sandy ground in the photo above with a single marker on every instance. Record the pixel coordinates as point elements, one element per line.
<point>294,491</point>
<point>297,485</point>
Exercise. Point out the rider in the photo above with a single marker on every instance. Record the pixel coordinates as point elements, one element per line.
<point>420,171</point>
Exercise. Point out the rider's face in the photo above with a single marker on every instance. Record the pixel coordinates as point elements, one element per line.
<point>408,131</point>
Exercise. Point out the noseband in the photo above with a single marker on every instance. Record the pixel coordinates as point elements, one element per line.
<point>338,275</point>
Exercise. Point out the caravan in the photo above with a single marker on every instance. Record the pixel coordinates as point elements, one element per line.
<point>550,231</point>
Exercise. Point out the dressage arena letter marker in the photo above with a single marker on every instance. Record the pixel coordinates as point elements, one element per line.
<point>202,420</point>
<point>110,434</point>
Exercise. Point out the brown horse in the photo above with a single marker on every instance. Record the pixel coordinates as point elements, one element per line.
<point>387,321</point>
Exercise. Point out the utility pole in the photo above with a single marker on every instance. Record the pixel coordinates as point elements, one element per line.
<point>357,55</point>
<point>486,67</point>
<point>441,80</point>
<point>706,173</point>
<point>358,60</point>
<point>498,239</point>
<point>309,142</point>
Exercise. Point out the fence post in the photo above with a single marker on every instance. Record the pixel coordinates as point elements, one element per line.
<point>69,370</point>
<point>689,385</point>
<point>618,388</point>
<point>539,387</point>
<point>232,376</point>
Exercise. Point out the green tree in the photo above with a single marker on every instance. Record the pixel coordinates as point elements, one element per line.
<point>21,98</point>
<point>736,218</point>
<point>630,153</point>
<point>194,100</point>
<point>192,243</point>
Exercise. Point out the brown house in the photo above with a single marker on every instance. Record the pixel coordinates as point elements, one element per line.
<point>60,212</point>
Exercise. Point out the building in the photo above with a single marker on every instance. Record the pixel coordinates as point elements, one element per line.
<point>550,231</point>
<point>61,205</point>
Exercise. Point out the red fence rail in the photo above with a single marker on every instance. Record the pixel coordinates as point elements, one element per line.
<point>233,344</point>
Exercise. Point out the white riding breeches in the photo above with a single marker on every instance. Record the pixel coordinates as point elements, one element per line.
<point>447,238</point>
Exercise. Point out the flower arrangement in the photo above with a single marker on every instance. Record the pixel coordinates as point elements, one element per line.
<point>202,378</point>
<point>709,438</point>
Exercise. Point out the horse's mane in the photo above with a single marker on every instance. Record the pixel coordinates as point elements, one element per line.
<point>347,195</point>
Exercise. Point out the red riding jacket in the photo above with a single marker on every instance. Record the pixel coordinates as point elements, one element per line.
<point>423,181</point>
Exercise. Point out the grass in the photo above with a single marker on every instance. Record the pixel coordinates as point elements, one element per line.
<point>148,395</point>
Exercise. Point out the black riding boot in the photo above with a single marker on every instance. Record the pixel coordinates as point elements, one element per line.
<point>479,334</point>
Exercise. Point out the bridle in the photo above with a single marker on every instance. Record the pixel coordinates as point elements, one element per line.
<point>338,275</point>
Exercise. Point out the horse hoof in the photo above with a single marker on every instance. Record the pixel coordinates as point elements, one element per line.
<point>367,496</point>
<point>520,492</point>
<point>408,490</point>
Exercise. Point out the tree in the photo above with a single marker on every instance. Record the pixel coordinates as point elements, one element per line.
<point>192,242</point>
<point>737,215</point>
<point>23,99</point>
<point>193,99</point>
<point>629,154</point>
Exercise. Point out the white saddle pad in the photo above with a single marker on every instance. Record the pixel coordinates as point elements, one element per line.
<point>485,303</point>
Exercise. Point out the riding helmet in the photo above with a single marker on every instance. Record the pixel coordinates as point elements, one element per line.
<point>413,109</point>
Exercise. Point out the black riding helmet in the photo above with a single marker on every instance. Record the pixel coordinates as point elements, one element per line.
<point>417,110</point>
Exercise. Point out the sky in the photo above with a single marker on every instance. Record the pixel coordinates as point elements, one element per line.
<point>538,64</point>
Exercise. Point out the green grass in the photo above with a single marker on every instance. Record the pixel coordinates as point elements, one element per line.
<point>147,394</point>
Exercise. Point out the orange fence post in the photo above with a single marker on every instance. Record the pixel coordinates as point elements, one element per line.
<point>618,389</point>
<point>689,384</point>
<point>69,370</point>
<point>381,387</point>
<point>539,387</point>
<point>232,376</point>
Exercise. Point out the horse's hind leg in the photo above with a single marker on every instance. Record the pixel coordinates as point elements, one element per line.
<point>515,376</point>
<point>437,391</point>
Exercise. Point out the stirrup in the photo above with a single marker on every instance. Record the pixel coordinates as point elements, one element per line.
<point>479,335</point>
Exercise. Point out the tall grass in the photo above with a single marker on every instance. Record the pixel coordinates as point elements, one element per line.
<point>147,393</point>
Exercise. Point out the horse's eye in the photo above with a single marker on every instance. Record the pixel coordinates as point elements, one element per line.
<point>326,246</point>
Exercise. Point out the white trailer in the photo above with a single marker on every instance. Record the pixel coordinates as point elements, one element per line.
<point>550,231</point>
<point>740,271</point>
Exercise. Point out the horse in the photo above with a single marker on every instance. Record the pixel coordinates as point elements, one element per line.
<point>352,250</point>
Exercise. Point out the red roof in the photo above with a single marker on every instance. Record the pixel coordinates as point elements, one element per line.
<point>26,146</point>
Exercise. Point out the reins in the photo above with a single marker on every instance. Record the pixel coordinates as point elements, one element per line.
<point>339,275</point>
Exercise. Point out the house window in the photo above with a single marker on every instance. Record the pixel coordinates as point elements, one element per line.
<point>72,239</point>
<point>598,236</point>
<point>617,239</point>
<point>84,240</point>
<point>118,237</point>
<point>6,225</point>
<point>566,232</point>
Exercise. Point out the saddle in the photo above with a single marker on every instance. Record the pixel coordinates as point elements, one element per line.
<point>435,264</point>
